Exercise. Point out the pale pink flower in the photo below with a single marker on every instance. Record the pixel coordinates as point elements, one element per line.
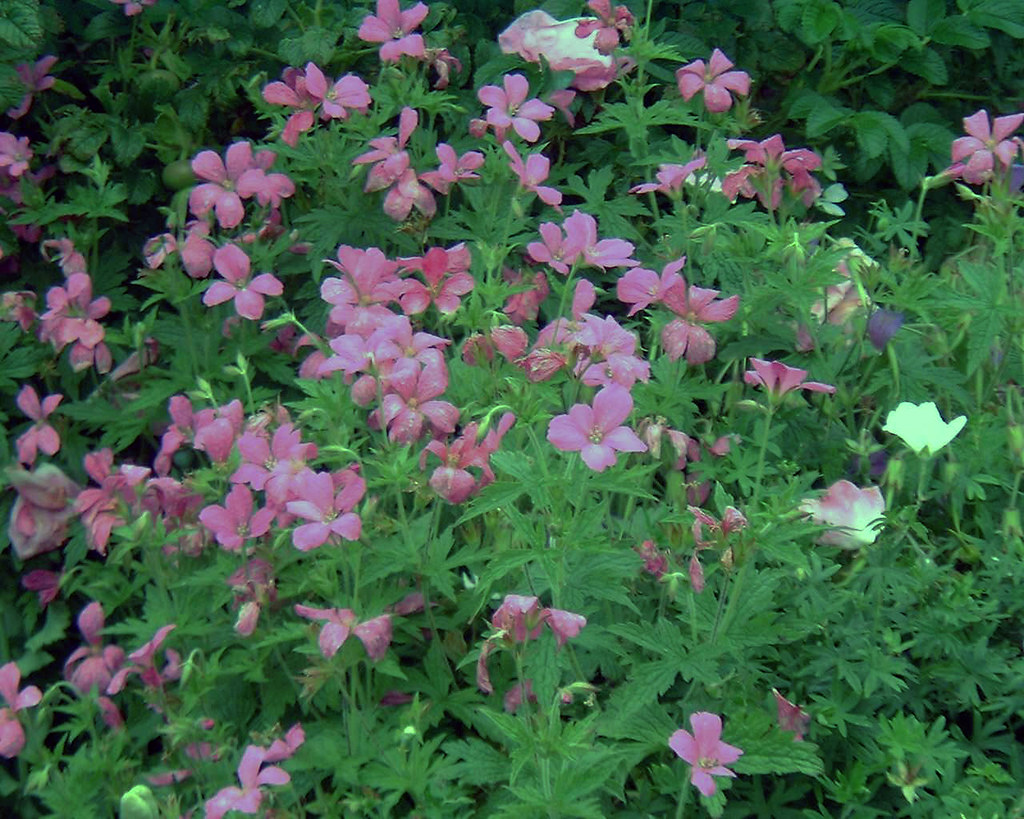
<point>410,401</point>
<point>556,250</point>
<point>447,277</point>
<point>715,80</point>
<point>453,168</point>
<point>509,108</point>
<point>769,168</point>
<point>671,178</point>
<point>597,432</point>
<point>133,7</point>
<point>705,751</point>
<point>15,154</point>
<point>374,634</point>
<point>853,514</point>
<point>394,28</point>
<point>337,98</point>
<point>72,318</point>
<point>581,232</point>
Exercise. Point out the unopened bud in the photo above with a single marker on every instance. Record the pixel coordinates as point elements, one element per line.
<point>728,559</point>
<point>138,803</point>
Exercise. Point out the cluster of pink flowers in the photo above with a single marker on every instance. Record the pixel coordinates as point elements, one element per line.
<point>241,174</point>
<point>576,240</point>
<point>518,620</point>
<point>770,169</point>
<point>306,91</point>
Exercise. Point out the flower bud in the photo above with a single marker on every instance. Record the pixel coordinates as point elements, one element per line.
<point>138,803</point>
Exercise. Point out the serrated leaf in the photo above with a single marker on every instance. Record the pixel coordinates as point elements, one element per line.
<point>779,754</point>
<point>19,24</point>
<point>959,31</point>
<point>266,13</point>
<point>926,64</point>
<point>923,14</point>
<point>819,20</point>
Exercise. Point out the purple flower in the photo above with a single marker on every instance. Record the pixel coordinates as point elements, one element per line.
<point>882,326</point>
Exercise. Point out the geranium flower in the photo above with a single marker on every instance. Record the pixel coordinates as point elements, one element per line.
<point>762,176</point>
<point>233,264</point>
<point>791,717</point>
<point>922,428</point>
<point>251,775</point>
<point>596,432</point>
<point>509,108</point>
<point>705,751</point>
<point>984,144</point>
<point>393,28</point>
<point>695,307</point>
<point>779,379</point>
<point>12,735</point>
<point>671,178</point>
<point>235,522</point>
<point>531,173</point>
<point>92,665</point>
<point>143,663</point>
<point>375,634</point>
<point>852,511</point>
<point>36,78</point>
<point>40,436</point>
<point>329,513</point>
<point>715,80</point>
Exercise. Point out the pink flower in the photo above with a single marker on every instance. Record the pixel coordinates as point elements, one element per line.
<point>235,522</point>
<point>92,665</point>
<point>12,735</point>
<point>595,432</point>
<point>779,379</point>
<point>374,634</point>
<point>705,751</point>
<point>763,177</point>
<point>715,79</point>
<point>394,28</point>
<point>531,173</point>
<point>293,93</point>
<point>370,281</point>
<point>446,273</point>
<point>537,34</point>
<point>791,717</point>
<point>556,251</point>
<point>36,79</point>
<point>40,436</point>
<point>44,583</point>
<point>233,264</point>
<point>641,288</point>
<point>239,176</point>
<point>984,144</point>
<point>453,168</point>
<point>14,154</point>
<point>612,21</point>
<point>695,306</point>
<point>143,663</point>
<point>329,514</point>
<point>410,401</point>
<point>853,514</point>
<point>581,232</point>
<point>133,7</point>
<point>509,108</point>
<point>335,99</point>
<point>72,318</point>
<point>671,178</point>
<point>251,776</point>
<point>452,480</point>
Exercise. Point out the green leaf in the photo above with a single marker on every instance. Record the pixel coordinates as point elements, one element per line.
<point>266,13</point>
<point>19,24</point>
<point>12,89</point>
<point>819,20</point>
<point>778,754</point>
<point>1006,16</point>
<point>923,14</point>
<point>927,64</point>
<point>959,31</point>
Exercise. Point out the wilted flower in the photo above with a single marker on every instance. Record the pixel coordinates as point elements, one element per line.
<point>853,512</point>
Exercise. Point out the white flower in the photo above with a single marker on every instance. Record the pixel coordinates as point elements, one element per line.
<point>922,428</point>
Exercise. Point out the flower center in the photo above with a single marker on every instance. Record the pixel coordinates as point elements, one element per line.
<point>596,435</point>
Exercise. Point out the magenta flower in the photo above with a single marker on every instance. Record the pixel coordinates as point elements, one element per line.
<point>984,144</point>
<point>447,277</point>
<point>40,436</point>
<point>235,522</point>
<point>326,502</point>
<point>233,264</point>
<point>596,432</point>
<point>531,173</point>
<point>715,80</point>
<point>705,751</point>
<point>853,514</point>
<point>394,27</point>
<point>251,775</point>
<point>779,379</point>
<point>374,634</point>
<point>509,108</point>
<point>12,735</point>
